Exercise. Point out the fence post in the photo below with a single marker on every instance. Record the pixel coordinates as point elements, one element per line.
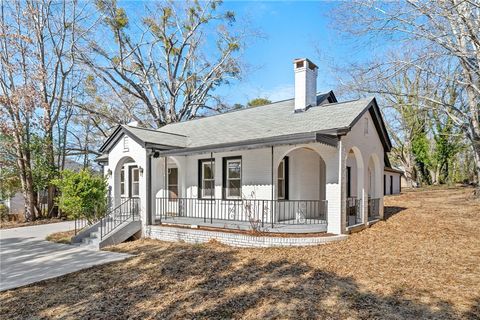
<point>263,212</point>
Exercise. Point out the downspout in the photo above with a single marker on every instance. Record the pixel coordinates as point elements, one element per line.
<point>342,186</point>
<point>165,188</point>
<point>149,188</point>
<point>212,194</point>
<point>272,195</point>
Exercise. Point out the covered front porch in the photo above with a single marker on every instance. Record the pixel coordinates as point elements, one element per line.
<point>277,189</point>
<point>305,187</point>
<point>279,216</point>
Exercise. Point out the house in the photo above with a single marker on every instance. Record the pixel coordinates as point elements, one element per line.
<point>16,203</point>
<point>392,181</point>
<point>307,164</point>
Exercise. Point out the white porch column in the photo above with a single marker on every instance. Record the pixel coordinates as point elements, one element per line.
<point>335,190</point>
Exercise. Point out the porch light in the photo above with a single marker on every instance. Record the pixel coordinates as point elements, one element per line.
<point>109,172</point>
<point>140,170</point>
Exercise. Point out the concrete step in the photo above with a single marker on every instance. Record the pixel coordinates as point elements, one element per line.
<point>95,234</point>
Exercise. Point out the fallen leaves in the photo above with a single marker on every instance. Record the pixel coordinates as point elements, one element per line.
<point>422,262</point>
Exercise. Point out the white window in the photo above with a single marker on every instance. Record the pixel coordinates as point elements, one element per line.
<point>233,178</point>
<point>281,194</point>
<point>207,178</point>
<point>122,182</point>
<point>134,181</point>
<point>366,126</point>
<point>125,143</point>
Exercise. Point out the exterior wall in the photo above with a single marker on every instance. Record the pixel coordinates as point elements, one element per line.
<point>370,153</point>
<point>16,204</point>
<point>173,234</point>
<point>396,182</point>
<point>117,158</point>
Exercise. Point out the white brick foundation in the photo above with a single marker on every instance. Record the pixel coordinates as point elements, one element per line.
<point>174,234</point>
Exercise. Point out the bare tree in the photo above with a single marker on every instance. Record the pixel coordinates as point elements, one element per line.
<point>36,58</point>
<point>446,39</point>
<point>166,68</point>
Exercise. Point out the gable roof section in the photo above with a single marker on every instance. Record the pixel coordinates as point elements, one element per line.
<point>378,122</point>
<point>275,120</point>
<point>328,97</point>
<point>148,138</point>
<point>271,124</point>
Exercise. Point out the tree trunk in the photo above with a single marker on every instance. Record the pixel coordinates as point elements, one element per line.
<point>476,153</point>
<point>51,162</point>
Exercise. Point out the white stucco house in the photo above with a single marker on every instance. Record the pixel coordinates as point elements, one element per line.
<point>307,164</point>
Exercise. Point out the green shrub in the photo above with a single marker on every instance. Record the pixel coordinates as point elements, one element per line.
<point>82,195</point>
<point>3,212</point>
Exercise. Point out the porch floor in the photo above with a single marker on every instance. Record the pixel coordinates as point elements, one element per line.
<point>310,226</point>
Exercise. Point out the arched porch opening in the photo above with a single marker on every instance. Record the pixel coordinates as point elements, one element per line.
<point>300,186</point>
<point>126,177</point>
<point>168,189</point>
<point>354,187</point>
<point>374,187</point>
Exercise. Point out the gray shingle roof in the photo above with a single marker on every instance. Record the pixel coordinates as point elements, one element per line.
<point>276,119</point>
<point>158,136</point>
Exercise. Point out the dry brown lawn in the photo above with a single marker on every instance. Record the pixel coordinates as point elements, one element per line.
<point>64,237</point>
<point>22,223</point>
<point>423,262</point>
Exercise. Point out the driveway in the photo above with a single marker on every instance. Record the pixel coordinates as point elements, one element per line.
<point>26,257</point>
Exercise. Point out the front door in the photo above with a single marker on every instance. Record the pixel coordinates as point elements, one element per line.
<point>173,183</point>
<point>134,182</point>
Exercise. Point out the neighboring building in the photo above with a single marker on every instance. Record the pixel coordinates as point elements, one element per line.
<point>308,164</point>
<point>392,181</point>
<point>16,204</point>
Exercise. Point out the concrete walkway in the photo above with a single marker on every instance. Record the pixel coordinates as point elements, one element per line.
<point>26,257</point>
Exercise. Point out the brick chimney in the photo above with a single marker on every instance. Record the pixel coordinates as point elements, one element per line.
<point>305,84</point>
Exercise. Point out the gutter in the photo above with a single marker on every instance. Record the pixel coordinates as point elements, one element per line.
<point>323,137</point>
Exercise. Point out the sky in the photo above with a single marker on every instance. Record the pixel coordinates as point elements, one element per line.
<point>291,29</point>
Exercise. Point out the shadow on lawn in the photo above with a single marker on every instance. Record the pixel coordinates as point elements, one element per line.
<point>390,211</point>
<point>188,281</point>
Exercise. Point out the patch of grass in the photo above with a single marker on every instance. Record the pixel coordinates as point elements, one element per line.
<point>423,262</point>
<point>61,237</point>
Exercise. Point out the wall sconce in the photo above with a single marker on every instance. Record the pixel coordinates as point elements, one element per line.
<point>109,172</point>
<point>140,170</point>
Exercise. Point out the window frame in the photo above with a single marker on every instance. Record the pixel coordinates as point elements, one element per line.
<point>285,179</point>
<point>131,177</point>
<point>122,182</point>
<point>201,179</point>
<point>225,179</point>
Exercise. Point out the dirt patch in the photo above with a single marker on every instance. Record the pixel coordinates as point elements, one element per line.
<point>423,262</point>
<point>61,237</point>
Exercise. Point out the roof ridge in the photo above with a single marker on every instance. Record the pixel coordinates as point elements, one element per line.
<point>154,130</point>
<point>250,108</point>
<point>229,112</point>
<point>348,101</point>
